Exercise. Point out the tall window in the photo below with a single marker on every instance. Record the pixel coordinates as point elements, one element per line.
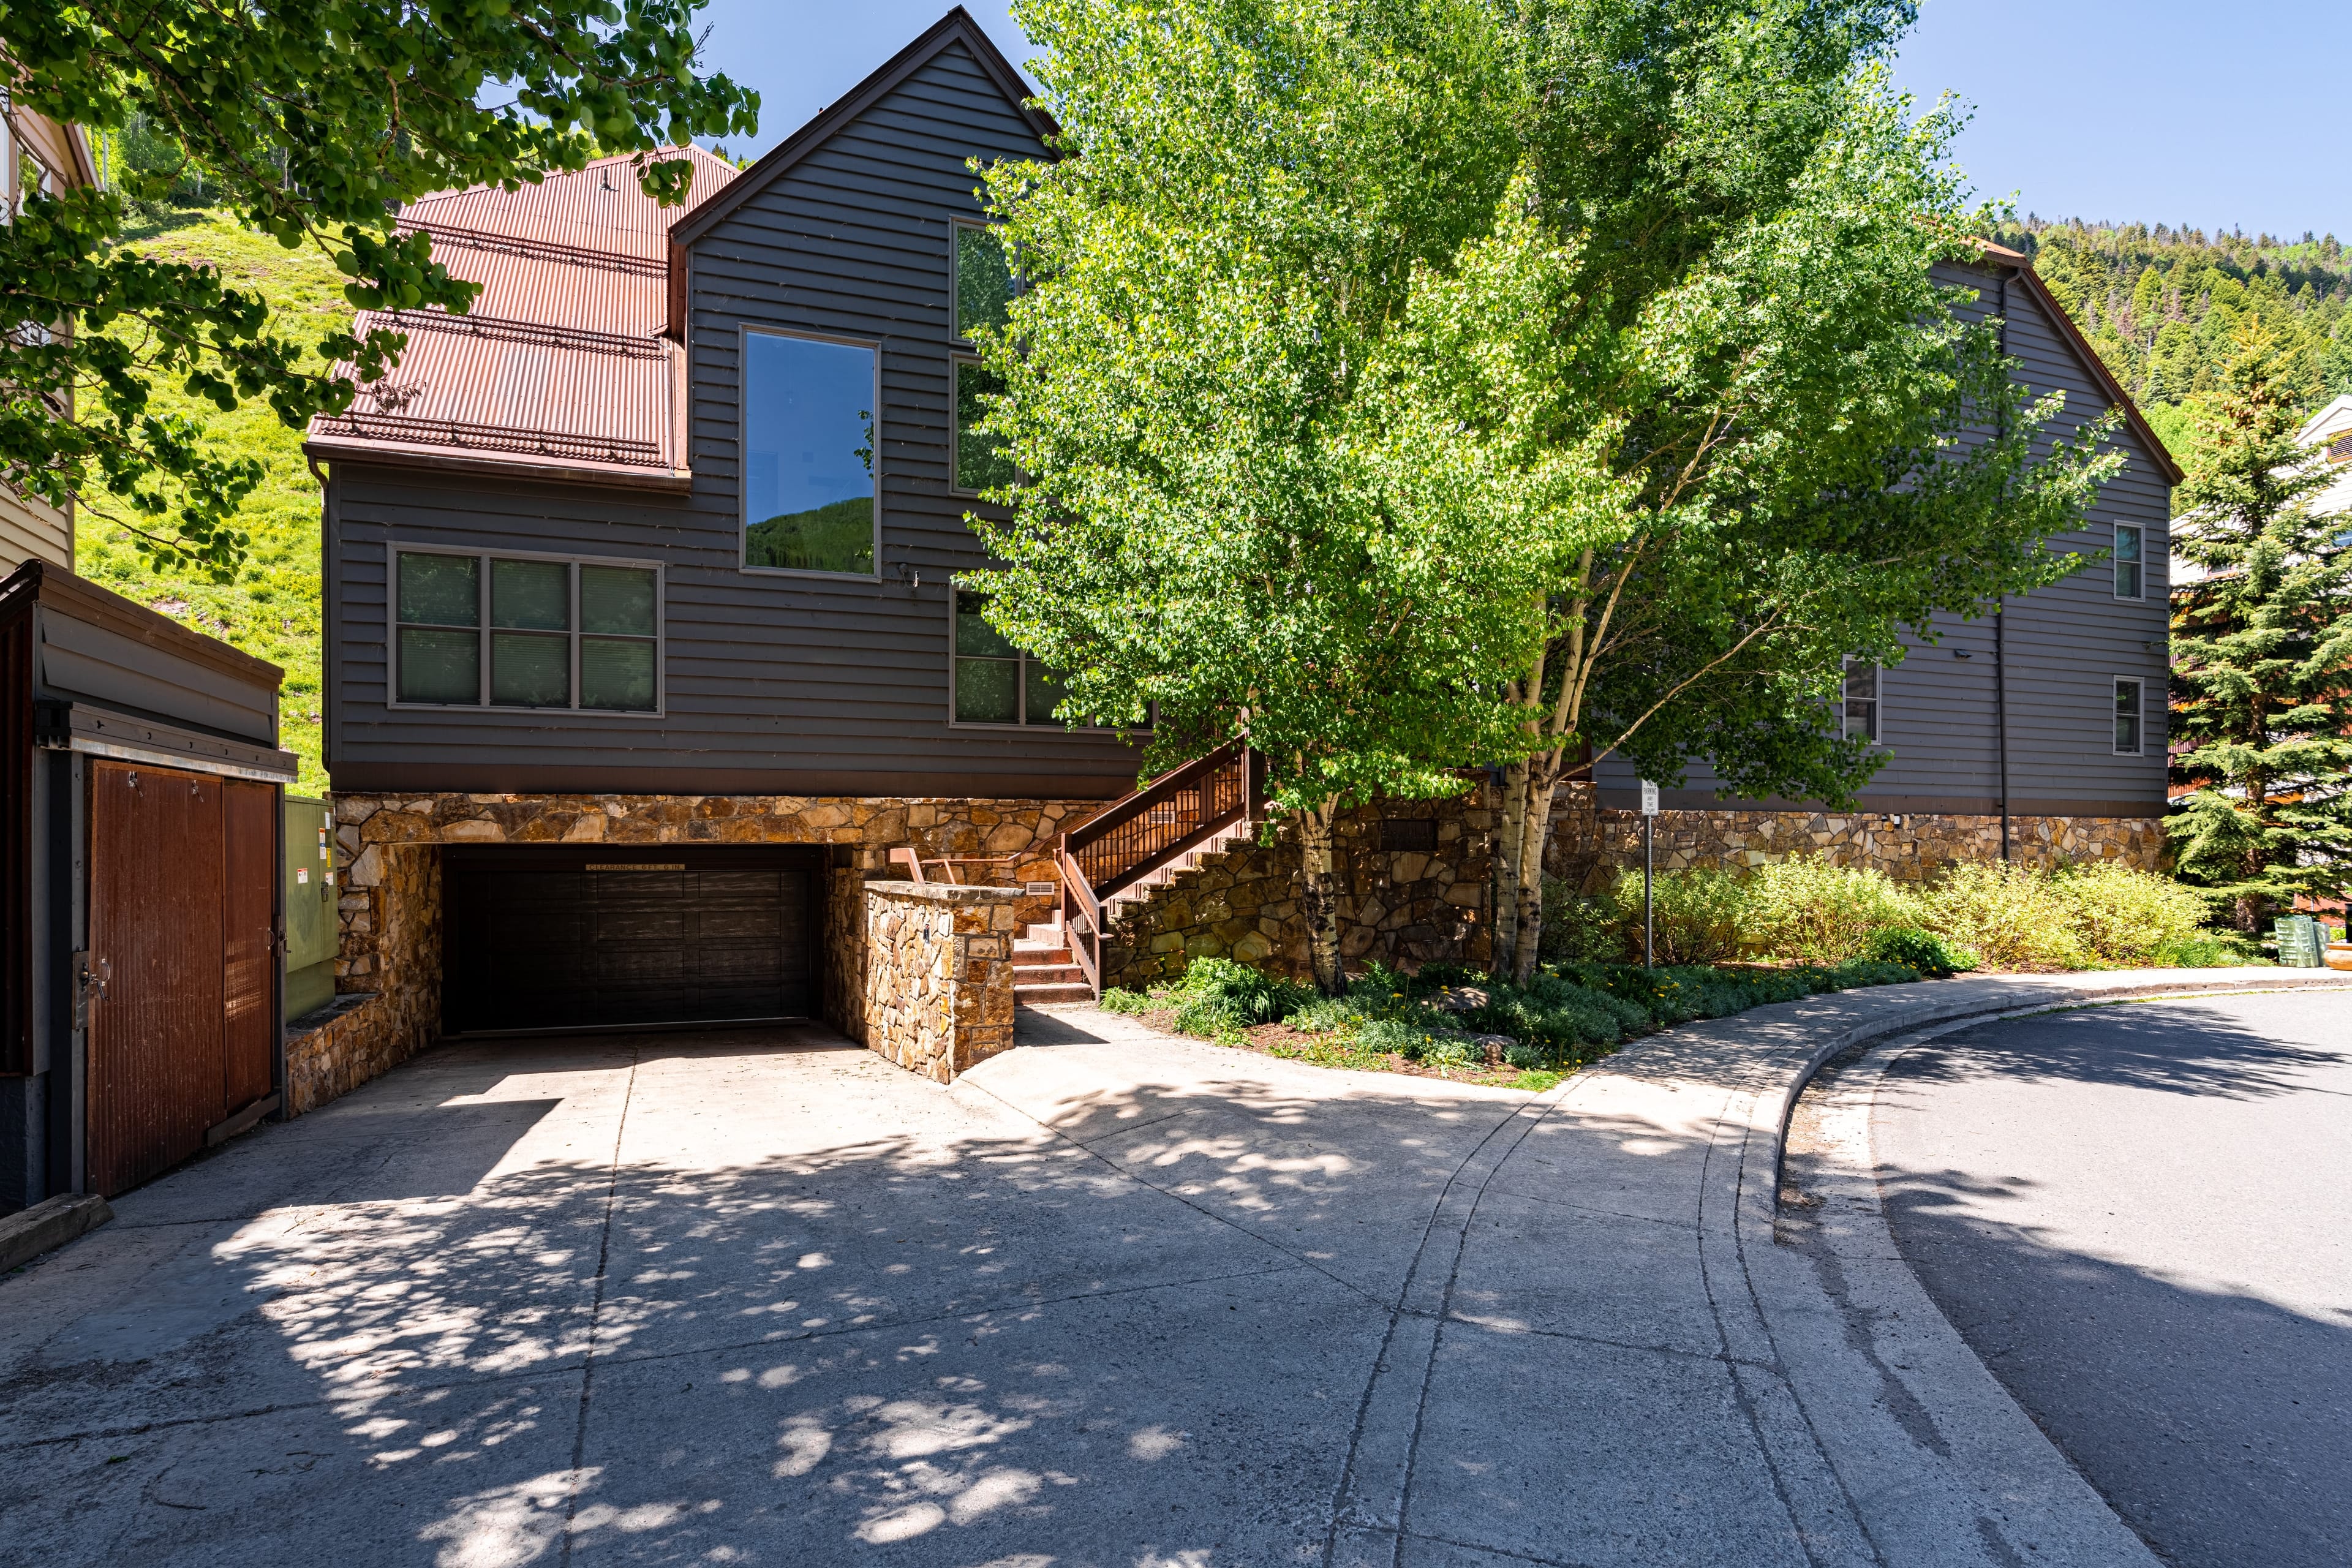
<point>996,683</point>
<point>2128,715</point>
<point>2128,561</point>
<point>810,500</point>
<point>984,286</point>
<point>483,630</point>
<point>1861,700</point>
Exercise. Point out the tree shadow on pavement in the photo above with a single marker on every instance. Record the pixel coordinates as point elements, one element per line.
<point>2218,1425</point>
<point>2174,1046</point>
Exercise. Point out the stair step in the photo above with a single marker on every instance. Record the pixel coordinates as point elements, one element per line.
<point>1055,975</point>
<point>1073,991</point>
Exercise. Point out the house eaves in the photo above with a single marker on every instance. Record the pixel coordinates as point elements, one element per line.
<point>2021,270</point>
<point>956,27</point>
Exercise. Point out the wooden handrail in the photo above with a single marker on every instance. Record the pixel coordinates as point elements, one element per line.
<point>1130,838</point>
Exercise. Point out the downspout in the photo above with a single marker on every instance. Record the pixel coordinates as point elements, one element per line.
<point>2000,636</point>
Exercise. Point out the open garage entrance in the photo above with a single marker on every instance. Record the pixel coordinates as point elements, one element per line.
<point>590,936</point>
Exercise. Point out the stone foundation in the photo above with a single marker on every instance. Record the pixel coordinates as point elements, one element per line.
<point>1405,907</point>
<point>937,981</point>
<point>1589,847</point>
<point>390,919</point>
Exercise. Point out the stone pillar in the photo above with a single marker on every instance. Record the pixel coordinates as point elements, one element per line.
<point>938,974</point>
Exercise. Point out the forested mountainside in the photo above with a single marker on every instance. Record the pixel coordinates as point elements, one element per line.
<point>2159,305</point>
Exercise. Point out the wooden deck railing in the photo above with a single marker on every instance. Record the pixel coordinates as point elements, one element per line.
<point>1132,839</point>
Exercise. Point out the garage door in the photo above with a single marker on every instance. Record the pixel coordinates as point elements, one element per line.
<point>564,938</point>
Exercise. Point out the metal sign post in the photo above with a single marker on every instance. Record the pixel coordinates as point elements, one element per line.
<point>1649,871</point>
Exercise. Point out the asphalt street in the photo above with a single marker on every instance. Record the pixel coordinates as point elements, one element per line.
<point>2138,1216</point>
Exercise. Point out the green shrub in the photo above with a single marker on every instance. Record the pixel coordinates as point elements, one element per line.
<point>1218,997</point>
<point>1325,1014</point>
<point>1406,1038</point>
<point>1696,915</point>
<point>2012,916</point>
<point>2208,950</point>
<point>1578,930</point>
<point>2125,917</point>
<point>1921,950</point>
<point>1804,907</point>
<point>1115,1000</point>
<point>1450,1051</point>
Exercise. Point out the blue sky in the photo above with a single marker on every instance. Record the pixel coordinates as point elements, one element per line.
<point>2211,115</point>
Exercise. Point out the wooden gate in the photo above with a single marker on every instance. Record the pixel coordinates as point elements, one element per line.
<point>181,900</point>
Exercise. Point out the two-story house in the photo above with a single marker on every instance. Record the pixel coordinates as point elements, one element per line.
<point>642,643</point>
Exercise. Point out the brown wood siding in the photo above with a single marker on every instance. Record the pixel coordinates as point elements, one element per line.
<point>248,1016</point>
<point>16,839</point>
<point>772,683</point>
<point>157,1070</point>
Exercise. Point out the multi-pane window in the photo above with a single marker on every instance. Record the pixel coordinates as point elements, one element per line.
<point>2128,561</point>
<point>996,683</point>
<point>2128,715</point>
<point>499,631</point>
<point>811,502</point>
<point>1861,700</point>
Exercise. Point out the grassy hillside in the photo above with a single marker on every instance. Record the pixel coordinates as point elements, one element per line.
<point>272,610</point>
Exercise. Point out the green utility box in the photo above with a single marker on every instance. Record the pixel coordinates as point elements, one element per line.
<point>312,930</point>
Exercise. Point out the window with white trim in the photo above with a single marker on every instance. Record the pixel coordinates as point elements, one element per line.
<point>1861,700</point>
<point>2130,691</point>
<point>480,629</point>
<point>2128,561</point>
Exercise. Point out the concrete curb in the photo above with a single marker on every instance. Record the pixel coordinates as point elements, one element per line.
<point>1932,1461</point>
<point>48,1225</point>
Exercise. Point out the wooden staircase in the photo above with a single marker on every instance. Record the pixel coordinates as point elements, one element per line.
<point>1126,854</point>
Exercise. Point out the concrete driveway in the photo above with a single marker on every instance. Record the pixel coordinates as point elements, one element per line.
<point>1112,1299</point>
<point>742,1298</point>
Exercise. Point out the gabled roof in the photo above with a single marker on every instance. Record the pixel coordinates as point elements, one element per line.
<point>2023,272</point>
<point>956,27</point>
<point>559,369</point>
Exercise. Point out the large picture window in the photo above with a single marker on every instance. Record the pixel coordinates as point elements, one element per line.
<point>483,630</point>
<point>810,500</point>
<point>2128,561</point>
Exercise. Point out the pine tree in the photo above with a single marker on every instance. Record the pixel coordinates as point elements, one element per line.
<point>2262,645</point>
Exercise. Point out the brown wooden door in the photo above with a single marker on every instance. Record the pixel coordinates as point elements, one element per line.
<point>157,1079</point>
<point>248,877</point>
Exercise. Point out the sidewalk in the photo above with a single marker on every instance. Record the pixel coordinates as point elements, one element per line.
<point>1601,1356</point>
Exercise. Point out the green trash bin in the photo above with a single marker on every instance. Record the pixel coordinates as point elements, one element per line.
<point>2299,943</point>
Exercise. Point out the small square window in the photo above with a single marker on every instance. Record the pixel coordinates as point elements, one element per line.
<point>1860,698</point>
<point>995,683</point>
<point>2128,561</point>
<point>2127,716</point>
<point>983,279</point>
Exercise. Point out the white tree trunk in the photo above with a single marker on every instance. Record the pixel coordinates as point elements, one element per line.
<point>1509,827</point>
<point>1318,895</point>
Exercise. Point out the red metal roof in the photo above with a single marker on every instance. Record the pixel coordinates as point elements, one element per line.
<point>561,366</point>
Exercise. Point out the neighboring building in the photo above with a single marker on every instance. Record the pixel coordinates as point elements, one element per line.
<point>2035,733</point>
<point>643,653</point>
<point>2329,433</point>
<point>36,153</point>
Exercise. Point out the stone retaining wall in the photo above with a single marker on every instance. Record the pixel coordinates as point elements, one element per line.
<point>937,982</point>
<point>391,917</point>
<point>1587,845</point>
<point>1399,906</point>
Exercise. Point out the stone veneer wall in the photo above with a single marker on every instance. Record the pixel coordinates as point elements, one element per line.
<point>1406,907</point>
<point>938,996</point>
<point>390,912</point>
<point>1586,844</point>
